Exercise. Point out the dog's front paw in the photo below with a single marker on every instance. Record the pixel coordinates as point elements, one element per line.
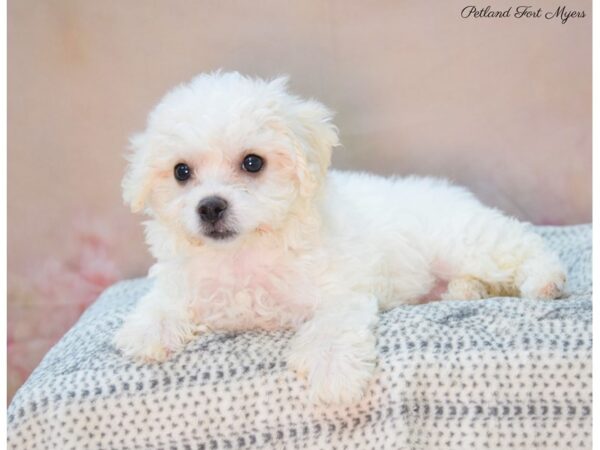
<point>151,339</point>
<point>337,367</point>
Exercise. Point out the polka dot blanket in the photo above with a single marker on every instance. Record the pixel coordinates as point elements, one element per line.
<point>501,373</point>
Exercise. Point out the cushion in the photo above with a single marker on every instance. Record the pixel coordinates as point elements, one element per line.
<point>497,373</point>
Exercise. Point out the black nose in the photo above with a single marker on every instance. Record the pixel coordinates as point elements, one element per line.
<point>211,209</point>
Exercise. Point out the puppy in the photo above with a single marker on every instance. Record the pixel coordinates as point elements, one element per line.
<point>250,230</point>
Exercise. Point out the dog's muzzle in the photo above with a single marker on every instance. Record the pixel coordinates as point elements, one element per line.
<point>212,212</point>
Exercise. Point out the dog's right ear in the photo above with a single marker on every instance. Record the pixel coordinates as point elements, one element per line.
<point>137,181</point>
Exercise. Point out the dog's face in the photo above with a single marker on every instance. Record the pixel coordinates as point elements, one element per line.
<point>227,156</point>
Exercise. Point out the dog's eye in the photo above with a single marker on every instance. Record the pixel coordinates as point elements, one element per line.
<point>252,163</point>
<point>182,172</point>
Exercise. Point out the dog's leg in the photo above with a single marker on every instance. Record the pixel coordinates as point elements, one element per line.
<point>335,350</point>
<point>501,256</point>
<point>159,326</point>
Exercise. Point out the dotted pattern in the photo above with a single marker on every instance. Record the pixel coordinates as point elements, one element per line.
<point>492,374</point>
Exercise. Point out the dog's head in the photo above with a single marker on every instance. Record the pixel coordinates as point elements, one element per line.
<point>225,156</point>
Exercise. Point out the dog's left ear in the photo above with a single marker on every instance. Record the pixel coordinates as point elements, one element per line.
<point>136,183</point>
<point>316,136</point>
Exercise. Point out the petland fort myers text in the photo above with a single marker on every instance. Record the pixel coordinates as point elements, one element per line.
<point>560,13</point>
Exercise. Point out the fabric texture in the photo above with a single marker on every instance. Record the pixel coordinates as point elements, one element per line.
<point>501,373</point>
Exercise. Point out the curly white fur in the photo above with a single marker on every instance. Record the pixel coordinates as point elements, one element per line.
<point>313,250</point>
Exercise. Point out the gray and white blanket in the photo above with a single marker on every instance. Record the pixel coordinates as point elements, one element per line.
<point>501,373</point>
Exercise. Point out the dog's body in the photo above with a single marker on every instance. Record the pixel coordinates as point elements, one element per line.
<point>291,245</point>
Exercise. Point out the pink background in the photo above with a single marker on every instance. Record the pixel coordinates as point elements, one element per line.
<point>500,105</point>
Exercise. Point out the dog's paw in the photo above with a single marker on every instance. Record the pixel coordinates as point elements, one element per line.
<point>544,286</point>
<point>150,340</point>
<point>465,289</point>
<point>338,368</point>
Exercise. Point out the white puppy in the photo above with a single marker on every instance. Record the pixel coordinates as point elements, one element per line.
<point>250,230</point>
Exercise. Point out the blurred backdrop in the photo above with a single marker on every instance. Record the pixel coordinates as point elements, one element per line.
<point>502,106</point>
